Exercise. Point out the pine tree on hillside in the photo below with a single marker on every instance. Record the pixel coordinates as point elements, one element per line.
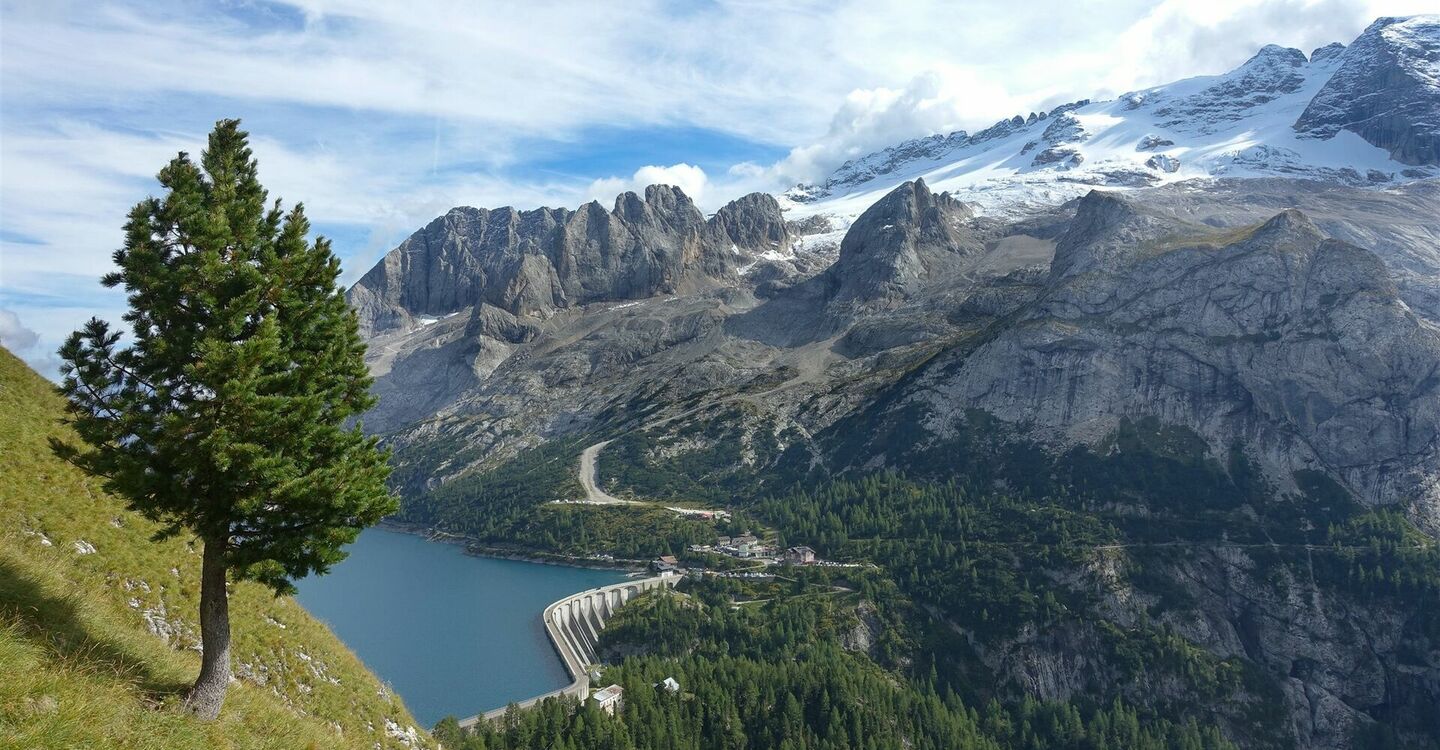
<point>226,414</point>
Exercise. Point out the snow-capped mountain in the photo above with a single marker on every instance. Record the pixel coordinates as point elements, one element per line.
<point>1366,115</point>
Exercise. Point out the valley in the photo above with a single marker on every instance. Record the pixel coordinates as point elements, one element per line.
<point>1103,429</point>
<point>606,394</point>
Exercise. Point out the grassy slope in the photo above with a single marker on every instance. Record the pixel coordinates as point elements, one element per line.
<point>95,648</point>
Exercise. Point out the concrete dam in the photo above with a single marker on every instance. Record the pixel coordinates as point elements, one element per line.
<point>573,625</point>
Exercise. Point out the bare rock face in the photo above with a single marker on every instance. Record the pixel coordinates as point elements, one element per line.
<point>1293,320</point>
<point>453,262</point>
<point>1061,156</point>
<point>537,262</point>
<point>752,225</point>
<point>1330,51</point>
<point>1152,142</point>
<point>1275,334</point>
<point>909,236</point>
<point>1387,91</point>
<point>1163,163</point>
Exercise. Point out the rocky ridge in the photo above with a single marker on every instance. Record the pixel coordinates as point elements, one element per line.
<point>1279,316</point>
<point>539,261</point>
<point>1360,115</point>
<point>1271,293</point>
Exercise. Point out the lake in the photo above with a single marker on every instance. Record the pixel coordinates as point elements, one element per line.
<point>452,634</point>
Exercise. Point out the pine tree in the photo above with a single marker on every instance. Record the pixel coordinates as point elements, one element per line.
<point>226,415</point>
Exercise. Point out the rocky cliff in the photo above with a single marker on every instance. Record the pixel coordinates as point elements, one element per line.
<point>906,239</point>
<point>1385,91</point>
<point>1274,335</point>
<point>1274,323</point>
<point>1262,294</point>
<point>532,263</point>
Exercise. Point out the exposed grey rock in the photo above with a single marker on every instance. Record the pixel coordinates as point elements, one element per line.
<point>1331,51</point>
<point>1152,142</point>
<point>1064,128</point>
<point>906,238</point>
<point>1303,336</point>
<point>535,262</point>
<point>814,224</point>
<point>1298,342</point>
<point>1163,163</point>
<point>1387,91</point>
<point>753,223</point>
<point>1062,156</point>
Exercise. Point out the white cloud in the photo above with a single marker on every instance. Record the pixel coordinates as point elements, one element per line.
<point>688,177</point>
<point>14,335</point>
<point>1177,39</point>
<point>936,101</point>
<point>24,343</point>
<point>381,115</point>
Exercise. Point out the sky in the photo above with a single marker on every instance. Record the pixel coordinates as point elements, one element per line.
<point>381,115</point>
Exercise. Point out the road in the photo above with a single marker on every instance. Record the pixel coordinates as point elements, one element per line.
<point>809,370</point>
<point>591,483</point>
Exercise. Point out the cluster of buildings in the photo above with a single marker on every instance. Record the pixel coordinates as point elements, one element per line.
<point>745,546</point>
<point>611,699</point>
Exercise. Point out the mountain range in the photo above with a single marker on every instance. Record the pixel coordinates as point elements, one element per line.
<point>1238,275</point>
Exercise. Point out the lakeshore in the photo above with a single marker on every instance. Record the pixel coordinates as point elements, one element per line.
<point>452,633</point>
<point>476,548</point>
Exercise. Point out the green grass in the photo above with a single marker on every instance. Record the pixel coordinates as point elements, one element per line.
<point>79,665</point>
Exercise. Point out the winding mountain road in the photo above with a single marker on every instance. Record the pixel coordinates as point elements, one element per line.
<point>588,479</point>
<point>588,474</point>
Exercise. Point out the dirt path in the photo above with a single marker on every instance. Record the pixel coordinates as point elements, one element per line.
<point>591,483</point>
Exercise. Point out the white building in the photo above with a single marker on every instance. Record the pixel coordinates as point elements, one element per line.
<point>610,699</point>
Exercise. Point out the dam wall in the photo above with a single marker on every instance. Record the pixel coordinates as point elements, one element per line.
<point>573,625</point>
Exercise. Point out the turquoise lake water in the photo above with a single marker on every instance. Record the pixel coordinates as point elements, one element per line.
<point>453,635</point>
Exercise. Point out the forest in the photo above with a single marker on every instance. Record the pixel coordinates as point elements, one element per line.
<point>776,675</point>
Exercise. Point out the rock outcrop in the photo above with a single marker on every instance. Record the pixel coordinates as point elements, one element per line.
<point>1387,91</point>
<point>1274,335</point>
<point>1289,320</point>
<point>536,262</point>
<point>907,238</point>
<point>752,225</point>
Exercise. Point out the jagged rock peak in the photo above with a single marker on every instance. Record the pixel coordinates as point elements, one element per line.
<point>1386,90</point>
<point>1274,54</point>
<point>1107,228</point>
<point>753,223</point>
<point>666,205</point>
<point>905,239</point>
<point>1291,223</point>
<point>909,208</point>
<point>1269,74</point>
<point>535,262</point>
<point>1330,51</point>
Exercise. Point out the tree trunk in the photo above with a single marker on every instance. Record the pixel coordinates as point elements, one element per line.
<point>208,693</point>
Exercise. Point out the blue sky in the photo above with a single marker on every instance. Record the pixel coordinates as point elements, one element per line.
<point>380,115</point>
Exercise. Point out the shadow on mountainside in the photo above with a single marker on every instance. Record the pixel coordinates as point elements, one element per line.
<point>58,625</point>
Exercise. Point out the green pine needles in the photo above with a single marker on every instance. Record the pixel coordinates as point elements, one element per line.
<point>227,413</point>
